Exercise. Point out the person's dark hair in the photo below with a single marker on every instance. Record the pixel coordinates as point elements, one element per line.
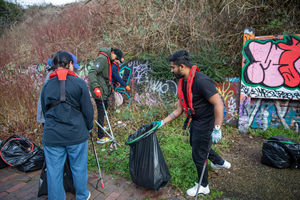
<point>119,53</point>
<point>180,57</point>
<point>62,59</point>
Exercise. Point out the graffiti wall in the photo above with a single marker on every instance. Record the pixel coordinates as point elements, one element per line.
<point>147,91</point>
<point>230,92</point>
<point>270,83</point>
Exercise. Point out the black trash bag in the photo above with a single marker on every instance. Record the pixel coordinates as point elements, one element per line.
<point>19,152</point>
<point>294,151</point>
<point>146,163</point>
<point>280,152</point>
<point>290,146</point>
<point>35,162</point>
<point>2,163</point>
<point>67,180</point>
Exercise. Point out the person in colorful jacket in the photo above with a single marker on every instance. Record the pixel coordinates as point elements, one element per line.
<point>199,99</point>
<point>68,112</point>
<point>100,82</point>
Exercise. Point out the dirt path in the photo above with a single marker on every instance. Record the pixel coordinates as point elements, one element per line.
<point>249,179</point>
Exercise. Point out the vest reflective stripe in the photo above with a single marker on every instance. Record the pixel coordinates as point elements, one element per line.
<point>109,66</point>
<point>189,106</point>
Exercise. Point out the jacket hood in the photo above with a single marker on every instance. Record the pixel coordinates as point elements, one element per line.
<point>106,50</point>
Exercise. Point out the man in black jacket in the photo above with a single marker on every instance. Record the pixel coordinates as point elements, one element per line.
<point>69,113</point>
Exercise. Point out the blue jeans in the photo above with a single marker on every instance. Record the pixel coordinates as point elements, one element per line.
<point>55,160</point>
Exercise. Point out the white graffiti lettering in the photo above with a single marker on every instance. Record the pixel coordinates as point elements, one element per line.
<point>231,109</point>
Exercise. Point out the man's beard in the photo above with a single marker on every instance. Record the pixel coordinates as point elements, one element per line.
<point>178,76</point>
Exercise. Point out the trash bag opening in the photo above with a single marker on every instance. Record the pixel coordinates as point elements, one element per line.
<point>141,133</point>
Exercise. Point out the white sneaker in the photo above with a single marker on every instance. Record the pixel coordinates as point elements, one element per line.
<point>226,165</point>
<point>202,190</point>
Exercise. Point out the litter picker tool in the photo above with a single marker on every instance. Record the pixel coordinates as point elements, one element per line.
<point>202,173</point>
<point>100,179</point>
<point>112,134</point>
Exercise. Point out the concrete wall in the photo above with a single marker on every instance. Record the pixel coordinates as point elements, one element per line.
<point>270,92</point>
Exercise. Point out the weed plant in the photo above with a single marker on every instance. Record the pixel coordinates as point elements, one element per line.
<point>270,132</point>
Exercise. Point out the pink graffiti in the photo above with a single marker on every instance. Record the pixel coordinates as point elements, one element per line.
<point>274,65</point>
<point>265,68</point>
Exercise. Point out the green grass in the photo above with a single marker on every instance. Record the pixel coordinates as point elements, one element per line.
<point>270,132</point>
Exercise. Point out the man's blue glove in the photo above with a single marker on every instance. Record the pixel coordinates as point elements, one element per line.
<point>216,134</point>
<point>159,123</point>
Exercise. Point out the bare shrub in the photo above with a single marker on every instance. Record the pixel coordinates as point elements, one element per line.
<point>18,103</point>
<point>157,27</point>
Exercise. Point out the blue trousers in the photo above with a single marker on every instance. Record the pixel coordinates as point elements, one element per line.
<point>55,160</point>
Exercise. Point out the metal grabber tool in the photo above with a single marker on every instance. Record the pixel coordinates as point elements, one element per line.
<point>100,179</point>
<point>114,142</point>
<point>202,173</point>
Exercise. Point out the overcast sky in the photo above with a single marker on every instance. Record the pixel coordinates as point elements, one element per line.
<point>26,3</point>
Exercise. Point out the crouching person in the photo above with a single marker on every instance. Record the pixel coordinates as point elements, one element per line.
<point>68,113</point>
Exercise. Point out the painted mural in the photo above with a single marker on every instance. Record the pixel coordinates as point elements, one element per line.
<point>230,92</point>
<point>270,83</point>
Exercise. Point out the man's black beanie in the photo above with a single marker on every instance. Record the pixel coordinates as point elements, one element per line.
<point>119,53</point>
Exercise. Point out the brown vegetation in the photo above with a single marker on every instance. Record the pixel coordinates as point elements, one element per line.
<point>134,26</point>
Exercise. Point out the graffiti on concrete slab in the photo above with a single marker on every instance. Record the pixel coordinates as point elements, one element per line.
<point>149,91</point>
<point>229,90</point>
<point>273,65</point>
<point>270,84</point>
<point>140,70</point>
<point>270,113</point>
<point>265,93</point>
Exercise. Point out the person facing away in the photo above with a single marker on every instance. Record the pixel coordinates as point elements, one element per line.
<point>50,68</point>
<point>100,76</point>
<point>199,99</point>
<point>68,112</point>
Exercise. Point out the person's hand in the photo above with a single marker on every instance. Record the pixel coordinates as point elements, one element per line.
<point>127,87</point>
<point>216,135</point>
<point>97,92</point>
<point>159,123</point>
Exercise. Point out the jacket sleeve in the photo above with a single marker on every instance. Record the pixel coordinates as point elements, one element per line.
<point>42,98</point>
<point>96,76</point>
<point>116,76</point>
<point>86,107</point>
<point>94,72</point>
